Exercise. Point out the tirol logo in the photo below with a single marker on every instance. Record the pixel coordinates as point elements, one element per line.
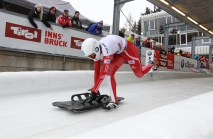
<point>182,63</point>
<point>149,53</point>
<point>22,32</point>
<point>76,43</point>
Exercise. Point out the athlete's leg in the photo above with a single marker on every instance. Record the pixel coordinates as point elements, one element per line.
<point>115,64</point>
<point>131,55</point>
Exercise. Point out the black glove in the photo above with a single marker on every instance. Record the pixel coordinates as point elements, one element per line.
<point>64,26</point>
<point>93,97</point>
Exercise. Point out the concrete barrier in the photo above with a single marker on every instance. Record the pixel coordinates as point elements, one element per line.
<point>16,83</point>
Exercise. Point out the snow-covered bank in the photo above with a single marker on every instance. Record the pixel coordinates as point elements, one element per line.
<point>187,119</point>
<point>27,112</point>
<point>33,82</point>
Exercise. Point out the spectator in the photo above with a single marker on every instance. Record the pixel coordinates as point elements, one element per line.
<point>199,57</point>
<point>207,63</point>
<point>96,28</point>
<point>50,17</point>
<point>158,47</point>
<point>181,53</point>
<point>131,38</point>
<point>36,12</point>
<point>178,54</point>
<point>198,61</point>
<point>146,43</point>
<point>196,57</point>
<point>153,45</point>
<point>121,32</point>
<point>162,51</point>
<point>203,59</point>
<point>137,43</point>
<point>171,50</point>
<point>189,55</point>
<point>2,4</point>
<point>64,20</point>
<point>76,23</point>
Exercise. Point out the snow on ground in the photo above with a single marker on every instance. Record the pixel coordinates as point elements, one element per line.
<point>188,119</point>
<point>153,108</point>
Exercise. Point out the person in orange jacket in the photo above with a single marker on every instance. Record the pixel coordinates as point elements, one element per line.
<point>203,59</point>
<point>146,43</point>
<point>64,19</point>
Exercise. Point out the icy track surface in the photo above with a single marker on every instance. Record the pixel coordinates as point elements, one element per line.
<point>159,109</point>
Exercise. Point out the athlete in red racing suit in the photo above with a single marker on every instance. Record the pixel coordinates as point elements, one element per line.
<point>116,50</point>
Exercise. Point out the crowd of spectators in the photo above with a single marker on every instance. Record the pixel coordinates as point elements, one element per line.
<point>201,58</point>
<point>152,44</point>
<point>64,19</point>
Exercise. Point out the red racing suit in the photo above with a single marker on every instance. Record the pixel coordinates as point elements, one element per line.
<point>116,50</point>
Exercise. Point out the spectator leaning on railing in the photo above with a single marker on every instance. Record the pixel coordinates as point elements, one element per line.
<point>64,19</point>
<point>2,4</point>
<point>36,12</point>
<point>96,28</point>
<point>76,23</point>
<point>50,16</point>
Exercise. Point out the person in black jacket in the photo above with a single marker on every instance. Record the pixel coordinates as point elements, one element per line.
<point>2,4</point>
<point>50,16</point>
<point>121,33</point>
<point>76,23</point>
<point>37,12</point>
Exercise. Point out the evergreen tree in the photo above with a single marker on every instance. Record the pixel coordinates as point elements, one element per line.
<point>139,27</point>
<point>157,9</point>
<point>148,11</point>
<point>134,28</point>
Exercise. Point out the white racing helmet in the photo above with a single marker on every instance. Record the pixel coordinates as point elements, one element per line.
<point>90,48</point>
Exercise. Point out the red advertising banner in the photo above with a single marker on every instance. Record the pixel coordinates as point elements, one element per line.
<point>76,42</point>
<point>207,64</point>
<point>163,59</point>
<point>170,61</point>
<point>157,58</point>
<point>22,32</point>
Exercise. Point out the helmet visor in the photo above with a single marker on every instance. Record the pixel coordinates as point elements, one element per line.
<point>93,56</point>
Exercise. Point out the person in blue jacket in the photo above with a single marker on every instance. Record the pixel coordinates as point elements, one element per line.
<point>96,28</point>
<point>137,43</point>
<point>196,57</point>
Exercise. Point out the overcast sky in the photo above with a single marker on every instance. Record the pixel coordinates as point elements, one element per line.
<point>98,10</point>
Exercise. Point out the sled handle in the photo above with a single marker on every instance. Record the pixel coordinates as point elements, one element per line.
<point>79,96</point>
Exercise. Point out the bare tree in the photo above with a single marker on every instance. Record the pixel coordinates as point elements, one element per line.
<point>125,26</point>
<point>129,22</point>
